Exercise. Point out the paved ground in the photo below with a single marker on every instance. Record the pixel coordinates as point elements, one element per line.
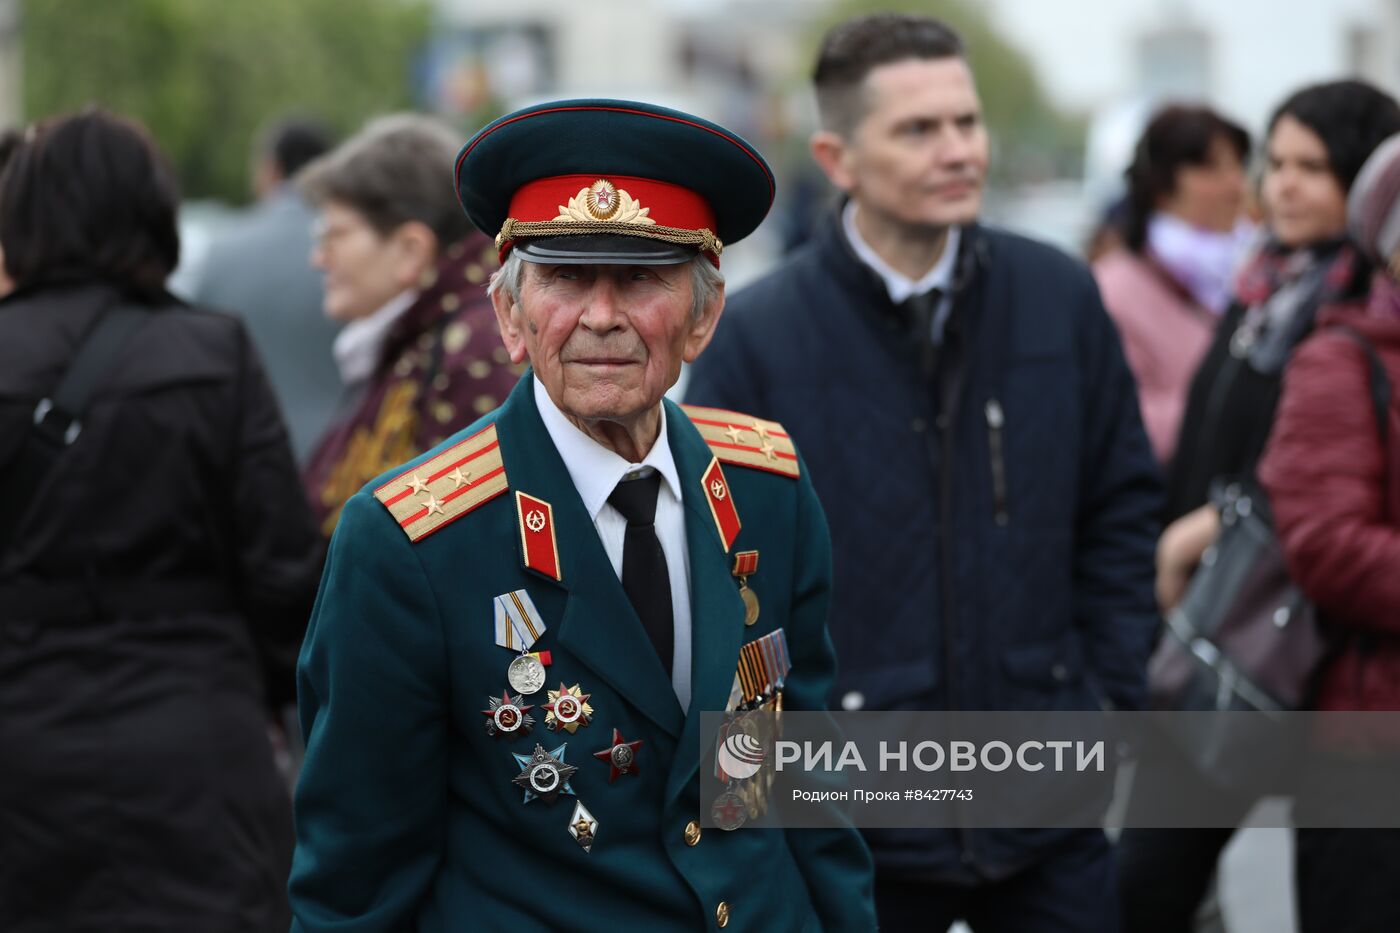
<point>1255,892</point>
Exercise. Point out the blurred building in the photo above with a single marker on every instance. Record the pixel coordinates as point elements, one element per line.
<point>1242,57</point>
<point>728,60</point>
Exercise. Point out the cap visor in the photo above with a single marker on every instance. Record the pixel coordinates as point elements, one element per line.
<point>603,249</point>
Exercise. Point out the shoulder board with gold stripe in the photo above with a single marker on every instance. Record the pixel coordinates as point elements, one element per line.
<point>745,440</point>
<point>446,487</point>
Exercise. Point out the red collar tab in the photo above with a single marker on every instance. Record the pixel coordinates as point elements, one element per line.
<point>722,507</point>
<point>539,546</point>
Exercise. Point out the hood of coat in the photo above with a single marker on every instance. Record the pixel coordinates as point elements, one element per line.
<point>1377,316</point>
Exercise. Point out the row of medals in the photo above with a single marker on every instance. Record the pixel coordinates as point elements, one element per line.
<point>545,775</point>
<point>746,800</point>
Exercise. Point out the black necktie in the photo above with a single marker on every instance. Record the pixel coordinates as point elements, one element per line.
<point>644,575</point>
<point>923,311</point>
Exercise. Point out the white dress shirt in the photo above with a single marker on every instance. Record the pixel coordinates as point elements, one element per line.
<point>596,471</point>
<point>899,285</point>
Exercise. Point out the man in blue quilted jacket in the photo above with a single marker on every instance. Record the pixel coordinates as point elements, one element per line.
<point>973,433</point>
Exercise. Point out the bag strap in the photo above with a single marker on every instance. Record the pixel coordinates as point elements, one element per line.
<point>1380,399</point>
<point>58,417</point>
<point>1380,382</point>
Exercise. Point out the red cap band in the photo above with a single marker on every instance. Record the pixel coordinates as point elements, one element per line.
<point>660,202</point>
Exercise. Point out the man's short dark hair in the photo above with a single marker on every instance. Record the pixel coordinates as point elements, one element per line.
<point>852,49</point>
<point>1351,118</point>
<point>89,197</point>
<point>293,142</point>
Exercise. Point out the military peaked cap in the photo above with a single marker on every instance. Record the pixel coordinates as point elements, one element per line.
<point>597,181</point>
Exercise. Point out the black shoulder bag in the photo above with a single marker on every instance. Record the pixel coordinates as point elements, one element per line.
<point>1244,637</point>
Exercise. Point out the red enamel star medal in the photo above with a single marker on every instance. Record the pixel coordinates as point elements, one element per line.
<point>621,756</point>
<point>507,716</point>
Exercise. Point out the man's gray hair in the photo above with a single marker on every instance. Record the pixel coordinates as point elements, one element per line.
<point>396,169</point>
<point>705,281</point>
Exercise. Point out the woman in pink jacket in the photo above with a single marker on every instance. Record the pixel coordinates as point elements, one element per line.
<point>1332,472</point>
<point>1183,235</point>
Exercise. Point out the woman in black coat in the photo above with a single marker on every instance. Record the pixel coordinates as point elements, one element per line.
<point>155,575</point>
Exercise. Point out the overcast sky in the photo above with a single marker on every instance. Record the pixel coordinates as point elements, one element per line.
<point>1084,50</point>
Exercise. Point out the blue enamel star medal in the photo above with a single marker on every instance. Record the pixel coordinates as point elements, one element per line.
<point>544,774</point>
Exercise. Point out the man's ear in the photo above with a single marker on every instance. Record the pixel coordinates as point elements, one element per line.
<point>510,323</point>
<point>832,153</point>
<point>703,330</point>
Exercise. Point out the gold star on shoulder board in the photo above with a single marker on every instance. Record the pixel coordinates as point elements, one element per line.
<point>459,479</point>
<point>760,430</point>
<point>734,433</point>
<point>769,451</point>
<point>433,505</point>
<point>416,485</point>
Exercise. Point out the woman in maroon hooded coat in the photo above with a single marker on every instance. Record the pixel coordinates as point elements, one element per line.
<point>1333,478</point>
<point>419,354</point>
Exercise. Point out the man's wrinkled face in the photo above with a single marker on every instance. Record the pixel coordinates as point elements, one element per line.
<point>919,155</point>
<point>606,341</point>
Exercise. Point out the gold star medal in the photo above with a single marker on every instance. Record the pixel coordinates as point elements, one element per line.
<point>567,709</point>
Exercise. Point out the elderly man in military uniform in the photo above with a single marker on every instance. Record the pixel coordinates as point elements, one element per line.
<point>517,631</point>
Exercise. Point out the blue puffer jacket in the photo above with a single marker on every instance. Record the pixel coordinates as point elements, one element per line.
<point>992,501</point>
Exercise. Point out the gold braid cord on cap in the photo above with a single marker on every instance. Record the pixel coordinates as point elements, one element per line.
<point>703,238</point>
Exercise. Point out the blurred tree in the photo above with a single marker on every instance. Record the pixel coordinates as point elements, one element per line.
<point>204,75</point>
<point>1031,136</point>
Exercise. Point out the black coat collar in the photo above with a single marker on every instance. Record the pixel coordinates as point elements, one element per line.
<point>839,259</point>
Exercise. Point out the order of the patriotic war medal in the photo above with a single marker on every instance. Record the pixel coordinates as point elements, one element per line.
<point>583,827</point>
<point>621,756</point>
<point>567,709</point>
<point>526,674</point>
<point>507,717</point>
<point>544,774</point>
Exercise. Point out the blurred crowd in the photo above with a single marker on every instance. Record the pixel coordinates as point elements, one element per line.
<point>172,468</point>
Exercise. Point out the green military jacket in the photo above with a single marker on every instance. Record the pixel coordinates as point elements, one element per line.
<point>408,813</point>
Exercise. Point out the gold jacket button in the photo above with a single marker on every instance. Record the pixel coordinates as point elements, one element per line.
<point>722,915</point>
<point>692,833</point>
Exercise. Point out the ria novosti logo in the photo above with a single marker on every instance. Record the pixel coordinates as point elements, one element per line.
<point>741,755</point>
